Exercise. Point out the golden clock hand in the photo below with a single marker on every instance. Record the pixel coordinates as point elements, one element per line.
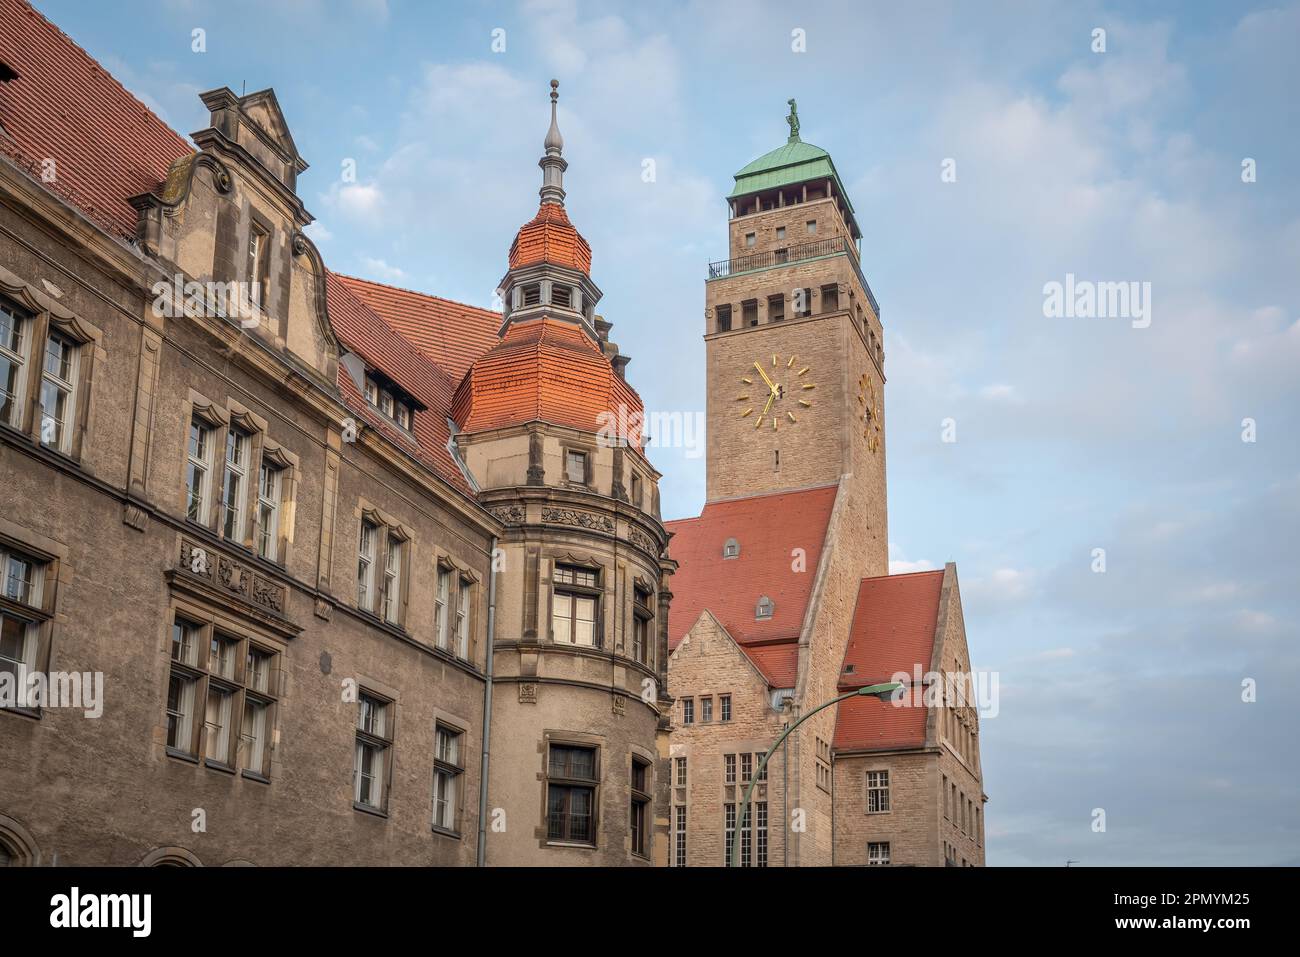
<point>764,375</point>
<point>770,400</point>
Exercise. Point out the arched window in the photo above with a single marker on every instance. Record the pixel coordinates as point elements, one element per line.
<point>731,549</point>
<point>764,608</point>
<point>17,848</point>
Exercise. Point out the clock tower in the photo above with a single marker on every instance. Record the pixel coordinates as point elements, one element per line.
<point>793,337</point>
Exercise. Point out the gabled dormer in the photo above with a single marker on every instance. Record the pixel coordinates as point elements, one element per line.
<point>229,219</point>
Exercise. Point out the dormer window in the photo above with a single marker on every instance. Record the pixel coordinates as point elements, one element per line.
<point>562,296</point>
<point>763,609</point>
<point>532,294</point>
<point>731,549</point>
<point>390,402</point>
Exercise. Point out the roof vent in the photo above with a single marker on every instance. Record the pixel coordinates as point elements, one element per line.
<point>731,549</point>
<point>848,669</point>
<point>7,72</point>
<point>764,608</point>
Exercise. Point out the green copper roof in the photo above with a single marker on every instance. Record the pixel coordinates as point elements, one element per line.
<point>795,162</point>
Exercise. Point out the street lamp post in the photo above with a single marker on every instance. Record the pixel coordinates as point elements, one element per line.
<point>882,692</point>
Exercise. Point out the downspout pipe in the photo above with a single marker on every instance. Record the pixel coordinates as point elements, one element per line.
<point>487,711</point>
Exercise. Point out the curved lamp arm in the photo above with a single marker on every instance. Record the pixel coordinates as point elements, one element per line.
<point>882,692</point>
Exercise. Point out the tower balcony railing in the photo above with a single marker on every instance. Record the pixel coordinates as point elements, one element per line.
<point>801,252</point>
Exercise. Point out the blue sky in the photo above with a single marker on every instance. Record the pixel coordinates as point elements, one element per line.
<point>1120,690</point>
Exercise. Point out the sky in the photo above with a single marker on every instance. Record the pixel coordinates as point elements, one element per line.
<point>1161,690</point>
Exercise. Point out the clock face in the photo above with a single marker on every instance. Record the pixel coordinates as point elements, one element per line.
<point>776,390</point>
<point>870,407</point>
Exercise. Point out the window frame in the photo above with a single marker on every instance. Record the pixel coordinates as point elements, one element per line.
<point>568,784</point>
<point>575,591</point>
<point>240,684</point>
<point>376,574</point>
<point>643,618</point>
<point>879,799</point>
<point>33,613</point>
<point>640,800</point>
<point>878,854</point>
<point>449,770</point>
<point>380,742</point>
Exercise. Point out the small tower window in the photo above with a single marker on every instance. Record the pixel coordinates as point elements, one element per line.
<point>724,318</point>
<point>750,239</point>
<point>830,298</point>
<point>533,294</point>
<point>812,227</point>
<point>780,232</point>
<point>575,466</point>
<point>764,608</point>
<point>775,308</point>
<point>731,549</point>
<point>749,312</point>
<point>562,296</point>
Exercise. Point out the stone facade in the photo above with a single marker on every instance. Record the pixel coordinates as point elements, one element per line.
<point>251,550</point>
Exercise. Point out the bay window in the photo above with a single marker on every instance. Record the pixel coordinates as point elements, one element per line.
<point>574,606</point>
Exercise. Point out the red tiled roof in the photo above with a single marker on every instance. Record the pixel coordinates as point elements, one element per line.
<point>106,145</point>
<point>362,330</point>
<point>893,630</point>
<point>545,369</point>
<point>550,237</point>
<point>778,662</point>
<point>452,334</point>
<point>768,529</point>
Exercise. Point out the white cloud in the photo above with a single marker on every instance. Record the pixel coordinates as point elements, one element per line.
<point>381,269</point>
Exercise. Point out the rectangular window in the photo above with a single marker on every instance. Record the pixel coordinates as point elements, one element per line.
<point>374,740</point>
<point>803,303</point>
<point>198,474</point>
<point>259,711</point>
<point>639,811</point>
<point>235,680</point>
<point>233,496</point>
<point>441,610</point>
<point>877,792</point>
<point>463,607</point>
<point>750,239</point>
<point>811,226</point>
<point>575,466</point>
<point>758,760</point>
<point>366,566</point>
<point>724,318</point>
<point>728,769</point>
<point>391,603</point>
<point>780,232</point>
<point>878,853</point>
<point>830,298</point>
<point>961,807</point>
<point>688,711</point>
<point>749,312</point>
<point>58,392</point>
<point>258,262</point>
<point>571,794</point>
<point>728,831</point>
<point>23,583</point>
<point>680,764</point>
<point>979,827</point>
<point>760,834</point>
<point>448,768</point>
<point>269,485</point>
<point>15,337</point>
<point>679,835</point>
<point>635,494</point>
<point>562,296</point>
<point>642,625</point>
<point>944,786</point>
<point>775,308</point>
<point>533,294</point>
<point>746,767</point>
<point>706,709</point>
<point>574,605</point>
<point>724,706</point>
<point>402,415</point>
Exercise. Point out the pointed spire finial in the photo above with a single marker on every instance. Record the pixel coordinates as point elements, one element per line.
<point>553,163</point>
<point>793,120</point>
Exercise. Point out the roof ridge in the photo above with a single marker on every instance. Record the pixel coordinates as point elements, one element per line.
<point>922,571</point>
<point>32,11</point>
<point>414,292</point>
<point>785,491</point>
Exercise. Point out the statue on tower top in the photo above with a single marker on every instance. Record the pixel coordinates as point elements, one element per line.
<point>793,120</point>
